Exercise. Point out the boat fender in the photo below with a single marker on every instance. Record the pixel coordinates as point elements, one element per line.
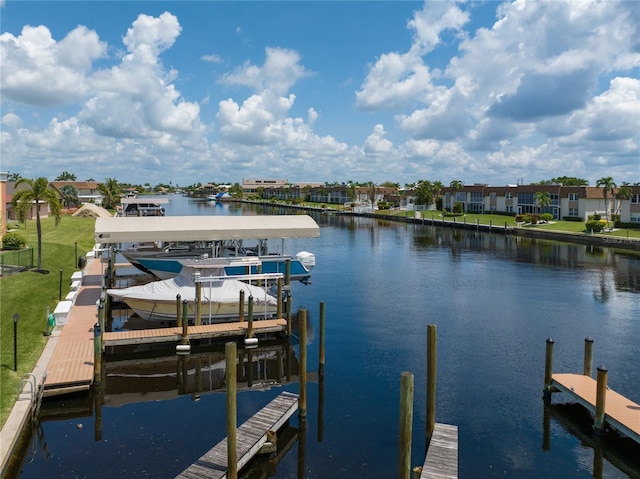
<point>251,342</point>
<point>183,349</point>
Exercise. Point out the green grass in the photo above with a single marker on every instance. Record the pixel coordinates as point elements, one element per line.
<point>30,293</point>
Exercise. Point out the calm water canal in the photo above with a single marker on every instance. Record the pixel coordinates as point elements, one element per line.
<point>494,299</point>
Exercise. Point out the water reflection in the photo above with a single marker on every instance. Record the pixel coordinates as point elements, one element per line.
<point>618,450</point>
<point>147,377</point>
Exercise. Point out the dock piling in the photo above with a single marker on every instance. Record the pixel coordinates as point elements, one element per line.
<point>97,353</point>
<point>178,311</point>
<point>588,356</point>
<point>601,396</point>
<point>241,306</point>
<point>406,421</point>
<point>322,342</point>
<point>432,356</point>
<point>184,347</point>
<point>548,371</point>
<point>302,404</point>
<point>230,379</point>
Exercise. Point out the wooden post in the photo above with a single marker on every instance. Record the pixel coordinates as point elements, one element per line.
<point>432,359</point>
<point>601,396</point>
<point>250,325</point>
<point>97,353</point>
<point>279,312</point>
<point>417,472</point>
<point>287,271</point>
<point>230,379</point>
<point>406,421</point>
<point>321,345</point>
<point>289,308</point>
<point>198,321</point>
<point>241,306</point>
<point>101,322</point>
<point>548,371</point>
<point>588,356</point>
<point>178,310</point>
<point>302,399</point>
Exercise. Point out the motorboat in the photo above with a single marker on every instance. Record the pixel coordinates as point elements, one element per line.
<point>220,296</point>
<point>168,266</point>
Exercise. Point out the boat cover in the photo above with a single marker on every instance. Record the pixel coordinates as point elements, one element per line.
<point>223,291</point>
<point>203,228</point>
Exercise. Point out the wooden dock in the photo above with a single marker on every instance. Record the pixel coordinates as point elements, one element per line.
<point>620,412</point>
<point>251,436</point>
<point>174,334</point>
<point>70,368</point>
<point>441,461</point>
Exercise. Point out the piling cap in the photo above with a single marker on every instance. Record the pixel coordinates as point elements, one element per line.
<point>602,368</point>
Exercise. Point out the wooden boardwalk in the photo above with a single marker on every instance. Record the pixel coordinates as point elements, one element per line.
<point>174,334</point>
<point>441,461</point>
<point>70,368</point>
<point>620,412</point>
<point>250,438</point>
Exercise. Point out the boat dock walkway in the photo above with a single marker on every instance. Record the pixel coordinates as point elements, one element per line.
<point>620,412</point>
<point>174,334</point>
<point>251,436</point>
<point>70,368</point>
<point>441,461</point>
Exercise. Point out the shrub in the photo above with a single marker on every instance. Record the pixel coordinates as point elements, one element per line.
<point>595,217</point>
<point>546,217</point>
<point>573,218</point>
<point>457,207</point>
<point>594,225</point>
<point>13,241</point>
<point>519,218</point>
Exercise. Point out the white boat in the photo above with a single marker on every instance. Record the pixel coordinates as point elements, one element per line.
<point>133,206</point>
<point>220,297</point>
<point>168,266</point>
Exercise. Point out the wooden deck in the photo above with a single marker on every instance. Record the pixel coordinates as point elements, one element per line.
<point>250,437</point>
<point>441,461</point>
<point>620,412</point>
<point>70,368</point>
<point>174,334</point>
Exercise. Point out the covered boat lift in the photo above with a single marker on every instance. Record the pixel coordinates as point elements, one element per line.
<point>203,228</point>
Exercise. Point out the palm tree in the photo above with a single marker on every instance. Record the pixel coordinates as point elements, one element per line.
<point>607,184</point>
<point>38,192</point>
<point>542,199</point>
<point>111,192</point>
<point>66,176</point>
<point>69,196</point>
<point>455,185</point>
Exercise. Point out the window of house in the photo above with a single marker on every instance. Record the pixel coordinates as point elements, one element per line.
<point>573,196</point>
<point>574,212</point>
<point>635,217</point>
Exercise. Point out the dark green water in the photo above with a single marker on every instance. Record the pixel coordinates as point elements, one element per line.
<point>494,299</point>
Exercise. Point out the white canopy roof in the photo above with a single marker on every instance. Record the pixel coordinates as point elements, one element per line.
<point>144,201</point>
<point>203,228</point>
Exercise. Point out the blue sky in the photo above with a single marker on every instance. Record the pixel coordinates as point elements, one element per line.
<point>199,91</point>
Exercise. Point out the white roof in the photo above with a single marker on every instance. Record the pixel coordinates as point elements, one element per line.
<point>117,229</point>
<point>144,201</point>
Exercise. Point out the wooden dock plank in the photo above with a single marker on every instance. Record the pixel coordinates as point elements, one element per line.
<point>250,436</point>
<point>442,456</point>
<point>620,412</point>
<point>218,330</point>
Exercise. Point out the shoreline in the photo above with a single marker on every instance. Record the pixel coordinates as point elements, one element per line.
<point>616,242</point>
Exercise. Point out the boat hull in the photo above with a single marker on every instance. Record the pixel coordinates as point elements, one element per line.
<point>210,312</point>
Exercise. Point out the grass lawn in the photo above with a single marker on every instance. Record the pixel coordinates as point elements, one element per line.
<point>30,293</point>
